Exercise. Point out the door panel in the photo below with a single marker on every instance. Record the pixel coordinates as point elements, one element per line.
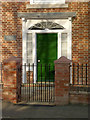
<point>46,53</point>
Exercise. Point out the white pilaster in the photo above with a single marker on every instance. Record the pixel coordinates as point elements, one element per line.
<point>70,46</point>
<point>24,48</point>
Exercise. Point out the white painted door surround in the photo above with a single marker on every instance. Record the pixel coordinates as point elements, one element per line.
<point>26,24</point>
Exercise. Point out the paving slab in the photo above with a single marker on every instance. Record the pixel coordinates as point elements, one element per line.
<point>10,110</point>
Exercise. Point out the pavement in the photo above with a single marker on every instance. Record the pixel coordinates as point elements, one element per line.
<point>10,110</point>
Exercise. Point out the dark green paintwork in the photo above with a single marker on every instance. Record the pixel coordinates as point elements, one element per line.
<point>46,53</point>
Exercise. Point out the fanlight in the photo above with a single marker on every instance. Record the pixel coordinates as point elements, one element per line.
<point>46,25</point>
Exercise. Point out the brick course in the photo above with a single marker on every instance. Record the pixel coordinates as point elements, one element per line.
<point>79,98</point>
<point>79,94</point>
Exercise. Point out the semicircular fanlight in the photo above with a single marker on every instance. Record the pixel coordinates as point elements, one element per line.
<point>46,25</point>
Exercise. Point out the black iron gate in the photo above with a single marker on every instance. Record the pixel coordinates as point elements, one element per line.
<point>41,90</point>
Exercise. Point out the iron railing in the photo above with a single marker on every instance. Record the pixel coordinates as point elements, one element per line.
<point>80,74</point>
<point>1,72</point>
<point>41,89</point>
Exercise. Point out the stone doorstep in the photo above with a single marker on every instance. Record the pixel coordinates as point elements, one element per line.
<point>36,103</point>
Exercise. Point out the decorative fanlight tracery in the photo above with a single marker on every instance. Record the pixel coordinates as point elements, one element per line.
<point>46,25</point>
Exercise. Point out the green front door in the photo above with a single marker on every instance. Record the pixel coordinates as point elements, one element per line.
<point>46,54</point>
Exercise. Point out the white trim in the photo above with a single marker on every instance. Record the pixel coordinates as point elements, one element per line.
<point>24,48</point>
<point>70,37</point>
<point>35,49</point>
<point>25,30</point>
<point>59,44</point>
<point>70,44</point>
<point>29,1</point>
<point>46,2</point>
<point>58,5</point>
<point>35,56</point>
<point>77,0</point>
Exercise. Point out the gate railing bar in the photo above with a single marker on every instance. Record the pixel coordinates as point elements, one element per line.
<point>86,74</point>
<point>25,82</point>
<point>82,74</point>
<point>78,73</point>
<point>19,78</point>
<point>45,82</point>
<point>52,88</point>
<point>29,81</point>
<point>37,87</point>
<point>1,72</point>
<point>33,81</point>
<point>41,82</point>
<point>21,85</point>
<point>47,86</point>
<point>49,82</point>
<point>23,90</point>
<point>39,92</point>
<point>51,91</point>
<point>27,85</point>
<point>43,87</point>
<point>35,91</point>
<point>17,92</point>
<point>73,73</point>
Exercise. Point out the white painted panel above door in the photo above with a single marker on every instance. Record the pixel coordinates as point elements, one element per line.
<point>47,1</point>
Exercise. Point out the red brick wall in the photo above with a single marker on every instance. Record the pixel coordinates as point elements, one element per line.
<point>13,26</point>
<point>79,98</point>
<point>79,94</point>
<point>11,80</point>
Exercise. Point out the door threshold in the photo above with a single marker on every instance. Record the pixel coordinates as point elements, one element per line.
<point>37,103</point>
